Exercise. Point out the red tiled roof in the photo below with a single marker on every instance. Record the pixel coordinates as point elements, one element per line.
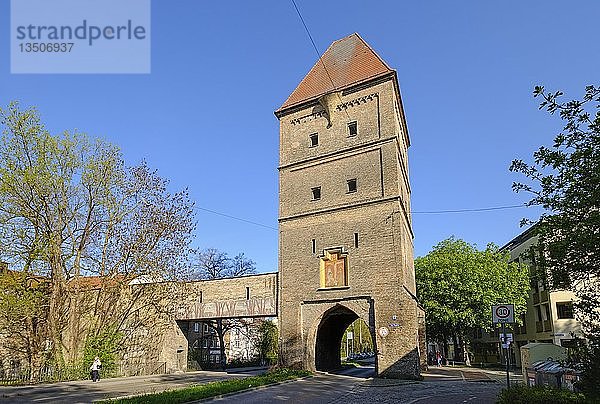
<point>95,282</point>
<point>348,61</point>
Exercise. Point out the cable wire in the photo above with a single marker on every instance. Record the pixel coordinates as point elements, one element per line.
<point>319,55</point>
<point>236,218</point>
<point>313,44</point>
<point>430,212</point>
<point>437,212</point>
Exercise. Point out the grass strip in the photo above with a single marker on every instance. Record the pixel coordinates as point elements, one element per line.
<point>212,389</point>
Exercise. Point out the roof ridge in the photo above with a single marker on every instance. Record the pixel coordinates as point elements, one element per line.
<point>372,50</point>
<point>346,62</point>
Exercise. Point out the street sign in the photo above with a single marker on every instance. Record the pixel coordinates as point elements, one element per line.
<point>503,313</point>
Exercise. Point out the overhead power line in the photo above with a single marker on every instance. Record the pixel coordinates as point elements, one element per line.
<point>319,55</point>
<point>429,212</point>
<point>437,212</point>
<point>236,218</point>
<point>313,44</point>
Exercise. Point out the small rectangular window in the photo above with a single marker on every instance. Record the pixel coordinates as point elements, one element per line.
<point>352,129</point>
<point>351,185</point>
<point>205,327</point>
<point>196,327</point>
<point>247,293</point>
<point>355,240</point>
<point>316,193</point>
<point>564,310</point>
<point>200,297</point>
<point>314,139</point>
<point>314,246</point>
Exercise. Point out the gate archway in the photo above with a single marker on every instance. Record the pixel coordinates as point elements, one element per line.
<point>329,337</point>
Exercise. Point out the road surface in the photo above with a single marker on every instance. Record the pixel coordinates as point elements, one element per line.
<point>85,391</point>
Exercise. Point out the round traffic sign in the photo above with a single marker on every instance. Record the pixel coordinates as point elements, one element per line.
<point>502,312</point>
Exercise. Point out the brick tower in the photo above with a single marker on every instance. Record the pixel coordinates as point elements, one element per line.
<point>345,233</point>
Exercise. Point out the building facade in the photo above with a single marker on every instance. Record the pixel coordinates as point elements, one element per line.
<point>345,231</point>
<point>549,316</point>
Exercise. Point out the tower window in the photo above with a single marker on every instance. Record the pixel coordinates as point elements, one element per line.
<point>351,185</point>
<point>355,240</point>
<point>316,193</point>
<point>314,246</point>
<point>314,139</point>
<point>352,129</point>
<point>247,293</point>
<point>196,327</point>
<point>564,310</point>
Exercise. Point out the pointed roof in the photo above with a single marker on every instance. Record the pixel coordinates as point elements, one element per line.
<point>347,61</point>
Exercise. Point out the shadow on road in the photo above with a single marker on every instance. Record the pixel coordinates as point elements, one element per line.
<point>360,372</point>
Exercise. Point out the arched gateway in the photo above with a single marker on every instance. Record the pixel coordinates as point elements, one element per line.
<point>345,232</point>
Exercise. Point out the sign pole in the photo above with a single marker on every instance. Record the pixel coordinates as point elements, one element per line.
<point>505,343</point>
<point>504,313</point>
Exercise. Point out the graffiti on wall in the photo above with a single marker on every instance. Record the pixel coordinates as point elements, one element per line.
<point>253,307</point>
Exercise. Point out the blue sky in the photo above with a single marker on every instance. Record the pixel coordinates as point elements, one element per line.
<point>204,116</point>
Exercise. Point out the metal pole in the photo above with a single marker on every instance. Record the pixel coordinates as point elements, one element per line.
<point>347,346</point>
<point>505,342</point>
<point>360,335</point>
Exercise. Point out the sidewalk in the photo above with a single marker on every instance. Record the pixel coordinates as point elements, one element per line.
<point>85,391</point>
<point>469,374</point>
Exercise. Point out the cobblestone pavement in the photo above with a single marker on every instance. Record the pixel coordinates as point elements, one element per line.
<point>451,391</point>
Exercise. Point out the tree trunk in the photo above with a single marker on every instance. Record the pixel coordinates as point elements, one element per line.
<point>220,334</point>
<point>455,347</point>
<point>446,348</point>
<point>57,305</point>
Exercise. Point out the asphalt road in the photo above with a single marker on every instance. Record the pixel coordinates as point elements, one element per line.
<point>85,391</point>
<point>355,385</point>
<point>440,386</point>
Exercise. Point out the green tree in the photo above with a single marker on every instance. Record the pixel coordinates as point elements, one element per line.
<point>23,315</point>
<point>268,342</point>
<point>565,180</point>
<point>457,284</point>
<point>70,207</point>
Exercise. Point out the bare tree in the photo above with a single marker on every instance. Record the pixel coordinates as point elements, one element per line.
<point>215,264</point>
<point>212,264</point>
<point>240,265</point>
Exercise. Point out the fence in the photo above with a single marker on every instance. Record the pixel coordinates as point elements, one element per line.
<point>50,374</point>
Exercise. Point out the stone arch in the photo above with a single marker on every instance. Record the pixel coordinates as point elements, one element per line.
<point>329,321</point>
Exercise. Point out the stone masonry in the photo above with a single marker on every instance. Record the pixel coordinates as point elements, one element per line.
<point>370,226</point>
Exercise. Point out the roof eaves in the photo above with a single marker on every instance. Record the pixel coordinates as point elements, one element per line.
<point>280,112</point>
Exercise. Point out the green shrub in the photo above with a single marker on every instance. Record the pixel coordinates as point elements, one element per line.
<point>521,394</point>
<point>105,345</point>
